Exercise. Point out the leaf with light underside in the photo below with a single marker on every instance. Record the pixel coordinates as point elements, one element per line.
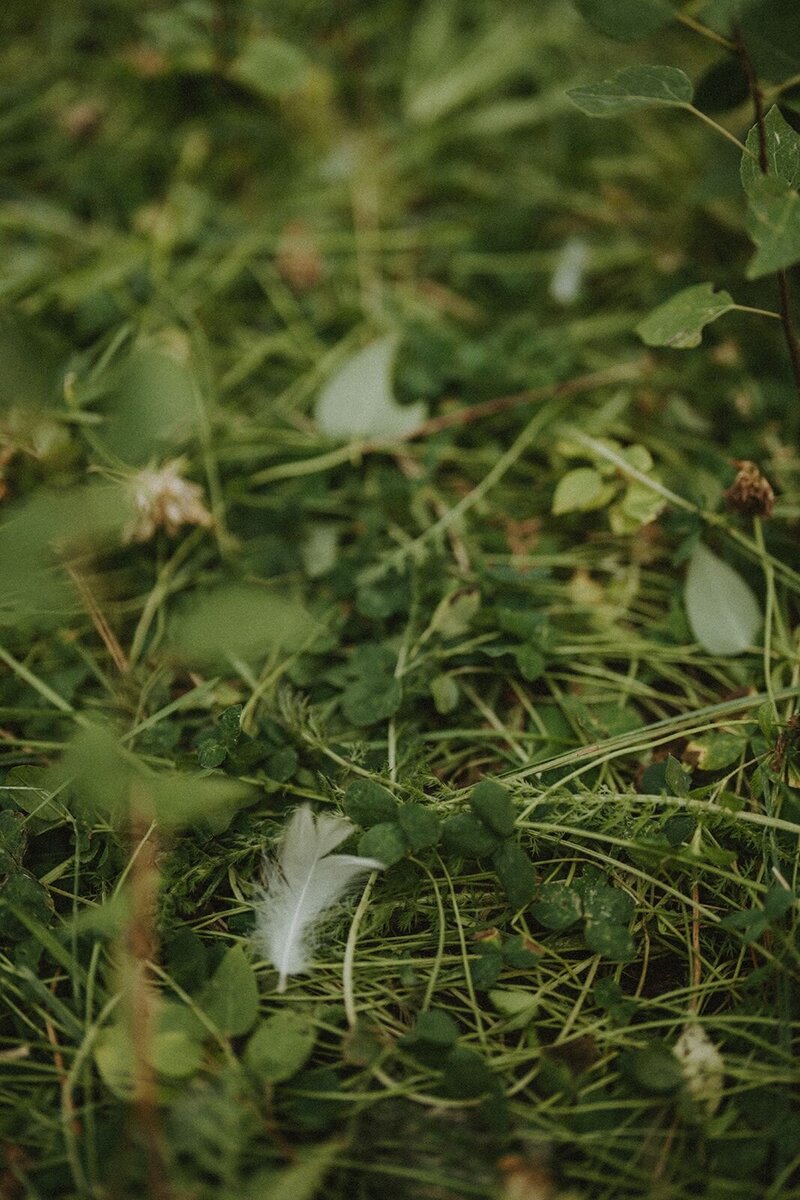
<point>359,400</point>
<point>679,321</point>
<point>724,614</point>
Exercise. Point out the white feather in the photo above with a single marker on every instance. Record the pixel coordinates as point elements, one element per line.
<point>303,885</point>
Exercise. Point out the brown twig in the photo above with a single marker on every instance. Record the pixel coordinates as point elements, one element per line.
<point>784,299</point>
<point>619,373</point>
<point>142,947</point>
<point>107,635</point>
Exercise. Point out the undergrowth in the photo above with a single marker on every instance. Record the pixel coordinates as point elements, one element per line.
<point>459,615</point>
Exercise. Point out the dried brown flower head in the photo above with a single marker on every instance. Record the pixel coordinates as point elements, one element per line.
<point>298,259</point>
<point>750,493</point>
<point>163,499</point>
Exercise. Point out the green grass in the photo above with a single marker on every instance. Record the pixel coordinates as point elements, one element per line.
<point>190,252</point>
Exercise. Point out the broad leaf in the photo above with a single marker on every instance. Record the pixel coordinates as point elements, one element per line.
<point>723,613</point>
<point>678,322</point>
<point>359,400</point>
<point>230,998</point>
<point>626,20</point>
<point>783,152</point>
<point>774,225</point>
<point>770,29</point>
<point>634,87</point>
<point>580,490</point>
<point>280,1046</point>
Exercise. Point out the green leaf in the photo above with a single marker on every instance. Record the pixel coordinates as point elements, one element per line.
<point>723,613</point>
<point>176,1053</point>
<point>368,803</point>
<point>602,903</point>
<point>211,754</point>
<point>446,694</point>
<point>492,804</point>
<point>778,901</point>
<point>678,321</point>
<point>783,152</point>
<point>610,940</point>
<point>516,873</point>
<point>301,1180</point>
<point>676,778</point>
<point>270,67</point>
<point>421,827</point>
<point>280,1045</point>
<point>632,88</point>
<point>626,20</point>
<point>486,968</point>
<point>516,1004</point>
<point>773,222</point>
<point>435,1027</point>
<point>238,620</point>
<point>464,834</point>
<point>359,402</point>
<point>366,701</point>
<point>114,1059</point>
<point>152,405</point>
<point>716,751</point>
<point>230,998</point>
<point>580,490</point>
<point>466,1074</point>
<point>557,907</point>
<point>453,614</point>
<point>750,922</point>
<point>384,842</point>
<point>654,1069</point>
<point>770,30</point>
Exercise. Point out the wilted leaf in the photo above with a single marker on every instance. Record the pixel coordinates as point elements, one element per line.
<point>678,321</point>
<point>359,400</point>
<point>634,87</point>
<point>723,613</point>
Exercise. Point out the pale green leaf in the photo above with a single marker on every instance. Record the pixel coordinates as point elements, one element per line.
<point>580,490</point>
<point>678,322</point>
<point>270,67</point>
<point>280,1046</point>
<point>237,620</point>
<point>634,87</point>
<point>359,400</point>
<point>626,20</point>
<point>724,614</point>
<point>774,225</point>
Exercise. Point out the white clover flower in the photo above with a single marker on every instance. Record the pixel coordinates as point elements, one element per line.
<point>163,499</point>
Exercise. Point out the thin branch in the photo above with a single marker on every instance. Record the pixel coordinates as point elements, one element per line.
<point>785,304</point>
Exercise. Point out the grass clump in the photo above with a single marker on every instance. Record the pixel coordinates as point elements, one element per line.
<point>334,471</point>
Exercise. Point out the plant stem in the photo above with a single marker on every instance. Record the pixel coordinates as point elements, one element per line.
<point>720,129</point>
<point>785,304</point>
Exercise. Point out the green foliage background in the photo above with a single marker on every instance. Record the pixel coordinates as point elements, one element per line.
<point>472,637</point>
